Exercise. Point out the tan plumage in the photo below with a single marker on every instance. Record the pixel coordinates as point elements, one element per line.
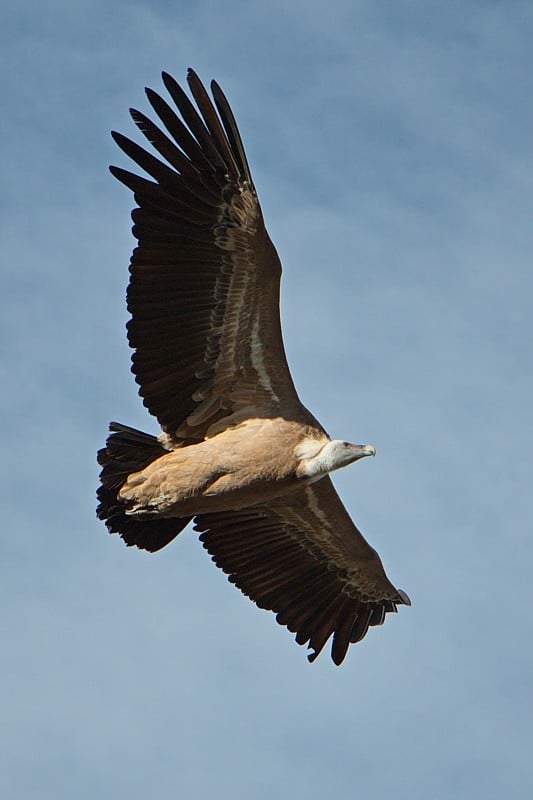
<point>238,450</point>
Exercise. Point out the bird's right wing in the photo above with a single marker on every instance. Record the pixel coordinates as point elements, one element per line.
<point>302,557</point>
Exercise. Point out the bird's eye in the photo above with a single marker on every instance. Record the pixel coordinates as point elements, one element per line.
<point>346,444</point>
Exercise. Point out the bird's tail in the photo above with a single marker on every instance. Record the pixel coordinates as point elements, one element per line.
<point>128,450</point>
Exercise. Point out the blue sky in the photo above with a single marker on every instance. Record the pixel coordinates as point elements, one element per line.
<point>391,146</point>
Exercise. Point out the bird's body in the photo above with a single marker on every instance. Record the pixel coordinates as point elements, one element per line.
<point>253,461</point>
<point>238,451</point>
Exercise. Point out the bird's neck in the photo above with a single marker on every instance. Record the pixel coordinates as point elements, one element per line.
<point>314,466</point>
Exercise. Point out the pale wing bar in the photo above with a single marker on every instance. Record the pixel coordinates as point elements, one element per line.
<point>181,272</point>
<point>276,565</point>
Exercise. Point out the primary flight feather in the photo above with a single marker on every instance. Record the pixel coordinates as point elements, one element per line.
<point>238,451</point>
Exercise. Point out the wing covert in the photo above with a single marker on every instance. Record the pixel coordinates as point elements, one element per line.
<point>204,286</point>
<point>303,558</point>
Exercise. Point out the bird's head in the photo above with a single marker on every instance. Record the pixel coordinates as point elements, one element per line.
<point>333,454</point>
<point>338,453</point>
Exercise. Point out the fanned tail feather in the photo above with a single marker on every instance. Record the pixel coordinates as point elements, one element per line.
<point>128,450</point>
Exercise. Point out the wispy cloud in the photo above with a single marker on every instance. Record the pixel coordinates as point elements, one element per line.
<point>391,146</point>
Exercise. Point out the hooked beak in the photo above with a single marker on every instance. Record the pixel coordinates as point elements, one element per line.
<point>362,450</point>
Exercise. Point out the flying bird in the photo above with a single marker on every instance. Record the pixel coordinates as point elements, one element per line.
<point>238,451</point>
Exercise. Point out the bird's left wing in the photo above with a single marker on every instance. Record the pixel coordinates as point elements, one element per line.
<point>204,287</point>
<point>303,558</point>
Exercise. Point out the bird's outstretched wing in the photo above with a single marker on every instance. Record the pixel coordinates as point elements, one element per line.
<point>303,558</point>
<point>204,286</point>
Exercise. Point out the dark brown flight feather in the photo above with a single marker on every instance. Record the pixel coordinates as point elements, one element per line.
<point>208,356</point>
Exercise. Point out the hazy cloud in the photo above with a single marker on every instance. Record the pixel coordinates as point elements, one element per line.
<point>391,144</point>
